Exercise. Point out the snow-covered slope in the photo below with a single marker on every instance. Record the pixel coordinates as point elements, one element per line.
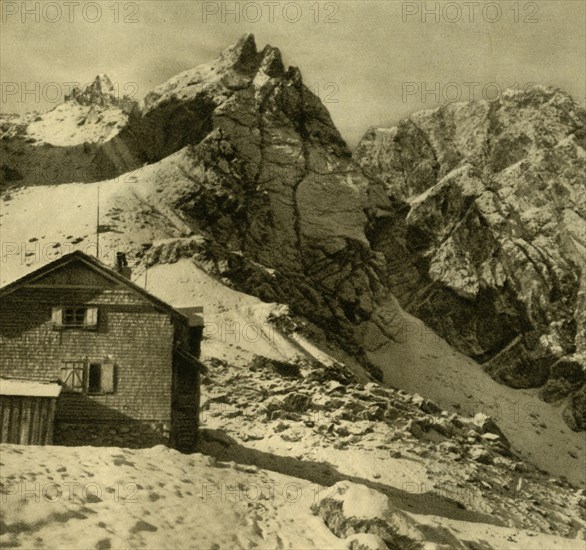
<point>93,113</point>
<point>136,217</point>
<point>59,145</point>
<point>68,125</point>
<point>231,189</point>
<point>294,455</point>
<point>156,498</point>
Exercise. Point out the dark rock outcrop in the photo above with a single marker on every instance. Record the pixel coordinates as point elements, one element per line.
<point>488,240</point>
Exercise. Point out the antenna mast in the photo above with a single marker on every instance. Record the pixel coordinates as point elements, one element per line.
<point>98,225</point>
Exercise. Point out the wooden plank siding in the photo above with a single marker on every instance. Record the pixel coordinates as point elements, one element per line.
<point>26,420</point>
<point>136,336</point>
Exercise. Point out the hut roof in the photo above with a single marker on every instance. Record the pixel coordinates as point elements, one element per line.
<point>29,388</point>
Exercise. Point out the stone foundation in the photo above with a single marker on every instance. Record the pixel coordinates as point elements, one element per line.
<point>133,434</point>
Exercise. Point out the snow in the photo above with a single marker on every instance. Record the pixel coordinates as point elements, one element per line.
<point>312,350</point>
<point>237,326</point>
<point>28,388</point>
<point>255,488</point>
<point>363,502</point>
<point>264,492</point>
<point>423,362</point>
<point>376,469</point>
<point>72,124</point>
<point>131,210</point>
<point>153,498</point>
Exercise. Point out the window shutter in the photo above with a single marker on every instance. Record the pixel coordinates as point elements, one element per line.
<point>72,377</point>
<point>57,316</point>
<point>108,377</point>
<point>91,317</point>
<point>67,376</point>
<point>78,379</point>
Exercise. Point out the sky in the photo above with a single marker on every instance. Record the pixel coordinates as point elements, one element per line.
<point>371,62</point>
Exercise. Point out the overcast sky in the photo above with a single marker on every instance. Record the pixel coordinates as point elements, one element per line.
<point>369,61</point>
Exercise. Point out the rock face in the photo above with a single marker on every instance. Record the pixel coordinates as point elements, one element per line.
<point>272,183</point>
<point>488,240</point>
<point>253,163</point>
<point>472,215</point>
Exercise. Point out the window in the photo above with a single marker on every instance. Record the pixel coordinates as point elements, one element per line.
<point>100,378</point>
<point>72,376</point>
<point>75,317</point>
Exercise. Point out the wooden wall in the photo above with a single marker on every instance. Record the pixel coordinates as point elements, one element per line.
<point>137,338</point>
<point>26,420</point>
<point>133,334</point>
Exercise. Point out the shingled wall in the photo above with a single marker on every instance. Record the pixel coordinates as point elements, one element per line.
<point>137,337</point>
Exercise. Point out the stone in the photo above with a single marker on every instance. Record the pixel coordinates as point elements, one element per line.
<point>425,405</point>
<point>287,370</point>
<point>449,447</point>
<point>443,426</point>
<point>374,412</point>
<point>273,408</point>
<point>296,402</point>
<point>415,429</point>
<point>342,431</point>
<point>486,424</point>
<point>280,427</point>
<point>292,437</point>
<point>334,386</point>
<point>479,454</point>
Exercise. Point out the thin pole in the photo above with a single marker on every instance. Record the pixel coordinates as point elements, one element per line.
<point>98,226</point>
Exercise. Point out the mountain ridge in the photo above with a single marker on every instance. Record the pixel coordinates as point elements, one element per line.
<point>494,211</point>
<point>241,171</point>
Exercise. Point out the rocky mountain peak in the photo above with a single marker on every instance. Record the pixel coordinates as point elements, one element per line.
<point>537,95</point>
<point>100,92</point>
<point>102,84</point>
<point>243,56</point>
<point>236,68</point>
<point>272,61</point>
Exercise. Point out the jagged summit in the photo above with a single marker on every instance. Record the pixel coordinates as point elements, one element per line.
<point>244,56</point>
<point>90,114</point>
<point>241,54</point>
<point>100,91</point>
<point>236,67</point>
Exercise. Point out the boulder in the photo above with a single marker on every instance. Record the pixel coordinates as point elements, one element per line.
<point>485,424</point>
<point>480,454</point>
<point>296,402</point>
